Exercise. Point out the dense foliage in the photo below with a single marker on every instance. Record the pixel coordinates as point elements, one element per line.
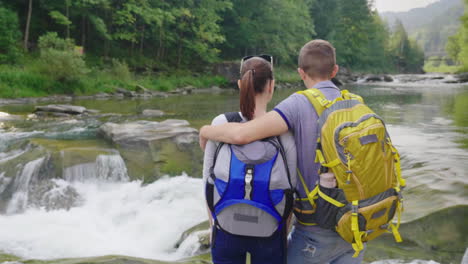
<point>159,37</point>
<point>457,46</point>
<point>9,36</point>
<point>363,40</point>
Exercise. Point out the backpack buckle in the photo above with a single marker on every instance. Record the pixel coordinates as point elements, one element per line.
<point>248,182</point>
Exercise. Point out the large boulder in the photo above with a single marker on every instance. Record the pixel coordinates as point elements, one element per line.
<point>144,132</point>
<point>153,113</point>
<point>462,78</point>
<point>229,70</point>
<point>153,149</point>
<point>63,109</point>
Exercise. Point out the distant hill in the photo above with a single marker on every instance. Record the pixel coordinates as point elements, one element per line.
<point>432,25</point>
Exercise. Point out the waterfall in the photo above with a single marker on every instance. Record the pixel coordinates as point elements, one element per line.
<point>106,167</point>
<point>21,184</point>
<point>4,181</point>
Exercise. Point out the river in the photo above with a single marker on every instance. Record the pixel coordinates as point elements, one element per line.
<point>93,205</point>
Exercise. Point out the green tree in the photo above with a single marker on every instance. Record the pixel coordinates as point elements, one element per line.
<point>277,27</point>
<point>325,14</point>
<point>453,48</point>
<point>59,59</point>
<point>10,36</point>
<point>351,34</point>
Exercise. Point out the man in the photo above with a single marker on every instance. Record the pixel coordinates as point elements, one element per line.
<point>317,66</point>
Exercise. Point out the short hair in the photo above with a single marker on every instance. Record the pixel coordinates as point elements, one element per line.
<point>317,58</point>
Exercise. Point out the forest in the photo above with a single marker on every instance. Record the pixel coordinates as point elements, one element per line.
<point>90,46</point>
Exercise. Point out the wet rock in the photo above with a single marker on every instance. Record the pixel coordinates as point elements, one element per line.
<point>102,95</point>
<point>112,259</point>
<point>229,70</point>
<point>53,196</point>
<point>142,132</point>
<point>159,94</point>
<point>125,92</point>
<point>343,76</point>
<point>141,90</point>
<point>7,117</point>
<point>153,113</point>
<point>153,149</point>
<point>65,109</point>
<point>195,241</point>
<point>373,78</point>
<point>388,78</point>
<point>462,78</point>
<point>203,226</point>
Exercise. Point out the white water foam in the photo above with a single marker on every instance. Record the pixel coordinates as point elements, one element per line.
<point>124,218</point>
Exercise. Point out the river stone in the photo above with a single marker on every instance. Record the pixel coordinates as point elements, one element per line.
<point>67,109</point>
<point>373,78</point>
<point>203,226</point>
<point>50,196</point>
<point>388,78</point>
<point>141,90</point>
<point>141,132</point>
<point>462,78</point>
<point>344,75</point>
<point>153,113</point>
<point>125,92</point>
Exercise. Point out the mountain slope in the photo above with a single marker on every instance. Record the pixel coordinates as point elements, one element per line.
<point>431,25</point>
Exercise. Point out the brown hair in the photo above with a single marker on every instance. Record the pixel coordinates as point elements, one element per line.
<point>317,58</point>
<point>255,73</point>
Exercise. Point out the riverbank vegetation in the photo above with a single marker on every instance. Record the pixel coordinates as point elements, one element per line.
<point>457,46</point>
<point>82,46</point>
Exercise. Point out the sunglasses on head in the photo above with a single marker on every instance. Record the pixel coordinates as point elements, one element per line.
<point>266,57</point>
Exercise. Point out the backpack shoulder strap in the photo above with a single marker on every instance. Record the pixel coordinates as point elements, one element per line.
<point>317,99</point>
<point>233,117</point>
<point>350,96</point>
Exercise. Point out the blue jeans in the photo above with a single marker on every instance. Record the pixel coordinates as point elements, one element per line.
<point>321,246</point>
<point>232,249</point>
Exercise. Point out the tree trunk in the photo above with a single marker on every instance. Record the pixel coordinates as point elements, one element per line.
<point>28,22</point>
<point>142,39</point>
<point>160,48</point>
<point>83,31</point>
<point>67,11</point>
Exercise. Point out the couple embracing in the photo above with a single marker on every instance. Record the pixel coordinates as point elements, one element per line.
<point>261,166</point>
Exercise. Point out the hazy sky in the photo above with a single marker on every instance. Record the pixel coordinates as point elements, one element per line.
<point>400,5</point>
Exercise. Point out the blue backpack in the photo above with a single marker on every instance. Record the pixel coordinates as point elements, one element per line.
<point>250,191</point>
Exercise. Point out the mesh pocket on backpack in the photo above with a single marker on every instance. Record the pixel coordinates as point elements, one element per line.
<point>326,211</point>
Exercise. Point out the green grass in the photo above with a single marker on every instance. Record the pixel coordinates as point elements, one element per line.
<point>17,82</point>
<point>440,67</point>
<point>288,75</point>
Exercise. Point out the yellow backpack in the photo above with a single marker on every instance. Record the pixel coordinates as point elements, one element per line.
<point>354,144</point>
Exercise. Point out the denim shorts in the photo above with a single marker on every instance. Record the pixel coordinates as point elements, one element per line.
<point>321,246</point>
<point>232,249</point>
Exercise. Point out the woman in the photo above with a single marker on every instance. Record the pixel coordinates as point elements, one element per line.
<point>249,189</point>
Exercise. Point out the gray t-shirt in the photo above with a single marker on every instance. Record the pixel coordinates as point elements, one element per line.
<point>286,139</point>
<point>301,118</point>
